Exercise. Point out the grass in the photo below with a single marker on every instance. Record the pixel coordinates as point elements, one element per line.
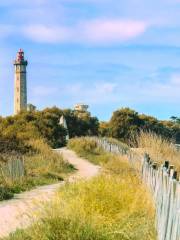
<point>112,206</point>
<point>118,143</point>
<point>159,149</point>
<point>88,148</point>
<point>43,166</point>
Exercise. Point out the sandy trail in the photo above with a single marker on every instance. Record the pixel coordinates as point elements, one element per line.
<point>85,169</point>
<point>20,212</point>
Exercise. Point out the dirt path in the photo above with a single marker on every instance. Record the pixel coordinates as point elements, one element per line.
<point>20,211</point>
<point>85,168</point>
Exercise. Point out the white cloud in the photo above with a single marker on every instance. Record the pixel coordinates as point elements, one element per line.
<point>163,92</point>
<point>175,80</point>
<point>41,33</point>
<point>97,31</point>
<point>107,30</point>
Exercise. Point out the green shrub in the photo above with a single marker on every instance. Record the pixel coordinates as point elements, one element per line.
<point>5,193</point>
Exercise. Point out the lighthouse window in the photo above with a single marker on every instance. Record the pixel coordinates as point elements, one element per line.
<point>17,89</point>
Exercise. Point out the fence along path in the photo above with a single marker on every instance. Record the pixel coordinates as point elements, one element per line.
<point>164,185</point>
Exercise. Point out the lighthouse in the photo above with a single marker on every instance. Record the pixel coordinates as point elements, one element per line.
<point>20,86</point>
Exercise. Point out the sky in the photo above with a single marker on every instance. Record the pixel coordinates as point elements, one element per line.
<point>108,54</point>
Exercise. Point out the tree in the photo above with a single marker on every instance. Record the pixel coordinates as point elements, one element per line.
<point>125,124</point>
<point>152,124</point>
<point>175,119</point>
<point>104,129</point>
<point>45,124</point>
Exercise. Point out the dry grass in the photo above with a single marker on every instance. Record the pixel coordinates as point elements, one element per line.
<point>112,206</point>
<point>159,149</point>
<point>118,143</point>
<point>41,167</point>
<point>88,148</point>
<point>45,160</point>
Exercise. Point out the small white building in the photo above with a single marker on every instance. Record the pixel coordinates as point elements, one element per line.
<point>31,107</point>
<point>80,107</point>
<point>63,123</point>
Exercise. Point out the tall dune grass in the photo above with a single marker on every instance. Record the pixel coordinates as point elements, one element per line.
<point>45,160</point>
<point>159,149</point>
<point>112,206</point>
<point>40,167</point>
<point>88,148</point>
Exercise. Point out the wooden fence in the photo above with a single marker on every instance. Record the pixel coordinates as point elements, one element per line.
<point>177,146</point>
<point>164,185</point>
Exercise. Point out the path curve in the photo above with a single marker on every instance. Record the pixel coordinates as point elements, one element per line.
<point>85,169</point>
<point>19,212</point>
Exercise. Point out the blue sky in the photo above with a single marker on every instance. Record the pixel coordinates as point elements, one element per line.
<point>105,53</point>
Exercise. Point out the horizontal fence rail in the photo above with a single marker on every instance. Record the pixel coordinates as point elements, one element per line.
<point>177,146</point>
<point>164,185</point>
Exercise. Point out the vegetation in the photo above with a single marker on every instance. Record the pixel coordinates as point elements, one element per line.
<point>15,130</point>
<point>175,119</point>
<point>26,158</point>
<point>126,123</point>
<point>159,149</point>
<point>112,206</point>
<point>88,148</point>
<point>116,142</point>
<point>5,193</point>
<point>23,172</point>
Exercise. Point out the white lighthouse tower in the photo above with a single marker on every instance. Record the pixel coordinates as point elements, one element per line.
<point>20,86</point>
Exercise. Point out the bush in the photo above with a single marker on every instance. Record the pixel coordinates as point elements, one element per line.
<point>11,145</point>
<point>5,193</point>
<point>126,123</point>
<point>45,124</point>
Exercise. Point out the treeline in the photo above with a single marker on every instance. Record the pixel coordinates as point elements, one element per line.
<point>16,131</point>
<point>126,123</point>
